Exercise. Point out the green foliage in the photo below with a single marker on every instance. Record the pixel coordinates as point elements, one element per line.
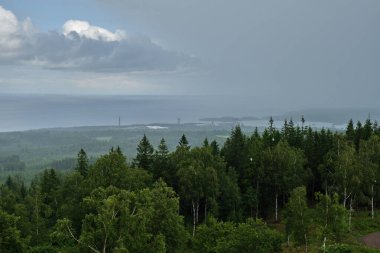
<point>127,221</point>
<point>183,143</point>
<point>10,235</point>
<point>338,248</point>
<point>144,157</point>
<point>108,170</point>
<point>331,218</point>
<point>109,206</point>
<point>226,237</point>
<point>160,160</point>
<point>11,163</point>
<point>298,218</point>
<point>82,163</point>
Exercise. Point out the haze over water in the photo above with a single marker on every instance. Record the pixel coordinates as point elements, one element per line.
<point>23,112</point>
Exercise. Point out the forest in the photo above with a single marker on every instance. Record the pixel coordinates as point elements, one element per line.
<point>292,189</point>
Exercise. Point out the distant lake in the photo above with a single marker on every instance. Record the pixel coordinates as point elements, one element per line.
<point>24,112</point>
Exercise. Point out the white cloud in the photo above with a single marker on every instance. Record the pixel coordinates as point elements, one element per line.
<point>81,46</point>
<point>84,29</point>
<point>12,32</point>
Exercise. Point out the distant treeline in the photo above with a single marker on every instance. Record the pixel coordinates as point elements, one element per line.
<point>210,198</point>
<point>11,163</point>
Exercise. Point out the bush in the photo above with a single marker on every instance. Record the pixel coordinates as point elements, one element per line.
<point>227,237</point>
<point>338,248</point>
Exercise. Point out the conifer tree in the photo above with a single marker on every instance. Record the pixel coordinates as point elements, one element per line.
<point>358,135</point>
<point>160,162</point>
<point>205,142</point>
<point>183,143</point>
<point>303,124</point>
<point>144,157</point>
<point>367,129</point>
<point>82,163</point>
<point>215,148</point>
<point>162,149</point>
<point>350,131</point>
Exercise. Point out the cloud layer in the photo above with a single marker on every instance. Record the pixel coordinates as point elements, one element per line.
<point>81,46</point>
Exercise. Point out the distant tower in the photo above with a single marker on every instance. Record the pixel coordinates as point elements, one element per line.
<point>119,121</point>
<point>178,121</point>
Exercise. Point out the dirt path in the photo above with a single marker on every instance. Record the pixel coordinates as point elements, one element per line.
<point>372,240</point>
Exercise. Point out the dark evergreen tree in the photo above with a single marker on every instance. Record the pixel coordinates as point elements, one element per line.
<point>144,157</point>
<point>358,135</point>
<point>376,128</point>
<point>161,160</point>
<point>303,124</point>
<point>205,143</point>
<point>215,148</point>
<point>82,163</point>
<point>162,149</point>
<point>367,129</point>
<point>350,131</point>
<point>183,143</point>
<point>235,151</point>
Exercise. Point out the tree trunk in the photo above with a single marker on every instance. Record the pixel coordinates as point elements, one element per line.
<point>205,209</point>
<point>350,215</point>
<point>276,207</point>
<point>345,188</point>
<point>257,199</point>
<point>305,242</point>
<point>345,197</point>
<point>37,217</point>
<point>197,206</point>
<point>105,244</point>
<point>194,218</point>
<point>372,205</point>
<point>326,223</point>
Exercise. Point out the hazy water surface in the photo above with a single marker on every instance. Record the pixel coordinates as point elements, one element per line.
<point>22,112</point>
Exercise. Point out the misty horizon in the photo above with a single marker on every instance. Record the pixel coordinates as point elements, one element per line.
<point>26,111</point>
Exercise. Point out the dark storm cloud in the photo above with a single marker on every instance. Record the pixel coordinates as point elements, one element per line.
<point>56,51</point>
<point>304,53</point>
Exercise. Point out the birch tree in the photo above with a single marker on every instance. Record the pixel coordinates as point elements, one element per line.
<point>298,218</point>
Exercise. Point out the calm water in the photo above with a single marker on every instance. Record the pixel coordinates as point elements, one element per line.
<point>23,112</point>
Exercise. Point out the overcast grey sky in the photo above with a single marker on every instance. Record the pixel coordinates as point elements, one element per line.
<point>287,52</point>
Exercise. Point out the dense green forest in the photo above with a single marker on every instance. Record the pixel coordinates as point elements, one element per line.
<point>292,189</point>
<point>28,153</point>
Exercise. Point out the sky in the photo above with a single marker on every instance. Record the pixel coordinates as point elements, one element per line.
<point>290,53</point>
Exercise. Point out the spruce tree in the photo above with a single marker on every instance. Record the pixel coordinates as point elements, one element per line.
<point>162,150</point>
<point>215,148</point>
<point>205,143</point>
<point>358,135</point>
<point>82,163</point>
<point>183,143</point>
<point>144,157</point>
<point>161,162</point>
<point>367,129</point>
<point>350,131</point>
